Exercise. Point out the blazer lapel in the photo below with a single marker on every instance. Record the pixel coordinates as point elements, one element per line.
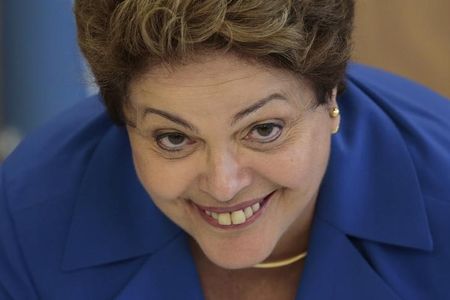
<point>370,193</point>
<point>168,274</point>
<point>362,197</point>
<point>335,269</point>
<point>114,219</point>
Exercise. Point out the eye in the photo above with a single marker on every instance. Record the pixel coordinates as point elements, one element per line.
<point>173,141</point>
<point>265,133</point>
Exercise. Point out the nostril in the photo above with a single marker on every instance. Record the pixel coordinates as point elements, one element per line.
<point>223,188</point>
<point>224,176</point>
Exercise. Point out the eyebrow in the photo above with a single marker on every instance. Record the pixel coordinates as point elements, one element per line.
<point>257,105</point>
<point>238,116</point>
<point>169,116</point>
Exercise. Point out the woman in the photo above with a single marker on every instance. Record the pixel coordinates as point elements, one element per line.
<point>227,166</point>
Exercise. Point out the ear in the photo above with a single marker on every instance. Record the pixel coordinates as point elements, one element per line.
<point>332,104</point>
<point>332,101</point>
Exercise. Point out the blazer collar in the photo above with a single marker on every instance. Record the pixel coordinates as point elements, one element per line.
<point>371,190</point>
<point>114,218</point>
<point>335,269</point>
<point>168,274</point>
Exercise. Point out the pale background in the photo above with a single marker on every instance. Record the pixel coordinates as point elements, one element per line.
<point>42,73</point>
<point>407,37</point>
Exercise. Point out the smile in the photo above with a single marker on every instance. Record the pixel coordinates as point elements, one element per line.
<point>234,217</point>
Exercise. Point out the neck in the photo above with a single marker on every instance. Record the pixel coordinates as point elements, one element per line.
<point>295,239</point>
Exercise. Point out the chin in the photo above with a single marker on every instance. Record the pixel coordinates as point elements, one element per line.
<point>235,262</point>
<point>235,254</point>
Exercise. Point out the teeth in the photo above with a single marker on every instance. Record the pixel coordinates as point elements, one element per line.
<point>255,207</point>
<point>248,212</point>
<point>224,219</point>
<point>235,217</point>
<point>238,217</point>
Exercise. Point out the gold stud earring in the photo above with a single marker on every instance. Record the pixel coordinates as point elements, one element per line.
<point>334,112</point>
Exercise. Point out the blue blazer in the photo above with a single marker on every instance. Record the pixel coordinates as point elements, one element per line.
<point>75,223</point>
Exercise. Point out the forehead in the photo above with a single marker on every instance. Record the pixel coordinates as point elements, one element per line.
<point>214,80</point>
<point>209,69</point>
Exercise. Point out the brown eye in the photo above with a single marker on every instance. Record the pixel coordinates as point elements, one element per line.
<point>265,130</point>
<point>265,133</point>
<point>173,141</point>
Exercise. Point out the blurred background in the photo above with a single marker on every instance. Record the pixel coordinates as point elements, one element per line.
<point>407,37</point>
<point>42,71</point>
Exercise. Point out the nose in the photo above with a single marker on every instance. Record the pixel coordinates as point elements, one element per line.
<point>225,176</point>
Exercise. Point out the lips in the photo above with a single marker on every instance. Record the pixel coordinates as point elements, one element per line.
<point>236,216</point>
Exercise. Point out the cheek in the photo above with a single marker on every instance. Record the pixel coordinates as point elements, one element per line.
<point>162,179</point>
<point>300,166</point>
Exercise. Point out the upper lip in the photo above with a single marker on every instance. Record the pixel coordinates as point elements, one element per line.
<point>234,207</point>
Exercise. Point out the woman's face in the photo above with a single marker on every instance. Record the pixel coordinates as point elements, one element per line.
<point>233,152</point>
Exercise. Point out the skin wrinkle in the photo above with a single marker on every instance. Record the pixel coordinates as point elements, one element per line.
<point>237,117</point>
<point>223,170</point>
<point>169,69</point>
<point>160,76</point>
<point>123,39</point>
<point>176,119</point>
<point>203,61</point>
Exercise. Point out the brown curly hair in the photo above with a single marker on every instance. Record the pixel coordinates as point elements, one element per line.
<point>121,39</point>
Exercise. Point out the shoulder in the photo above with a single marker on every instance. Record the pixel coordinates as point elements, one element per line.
<point>39,184</point>
<point>54,155</point>
<point>421,116</point>
<point>404,127</point>
<point>401,98</point>
<point>386,83</point>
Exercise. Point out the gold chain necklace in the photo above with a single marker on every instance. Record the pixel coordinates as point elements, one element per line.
<point>281,263</point>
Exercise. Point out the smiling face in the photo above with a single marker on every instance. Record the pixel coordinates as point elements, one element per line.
<point>234,153</point>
